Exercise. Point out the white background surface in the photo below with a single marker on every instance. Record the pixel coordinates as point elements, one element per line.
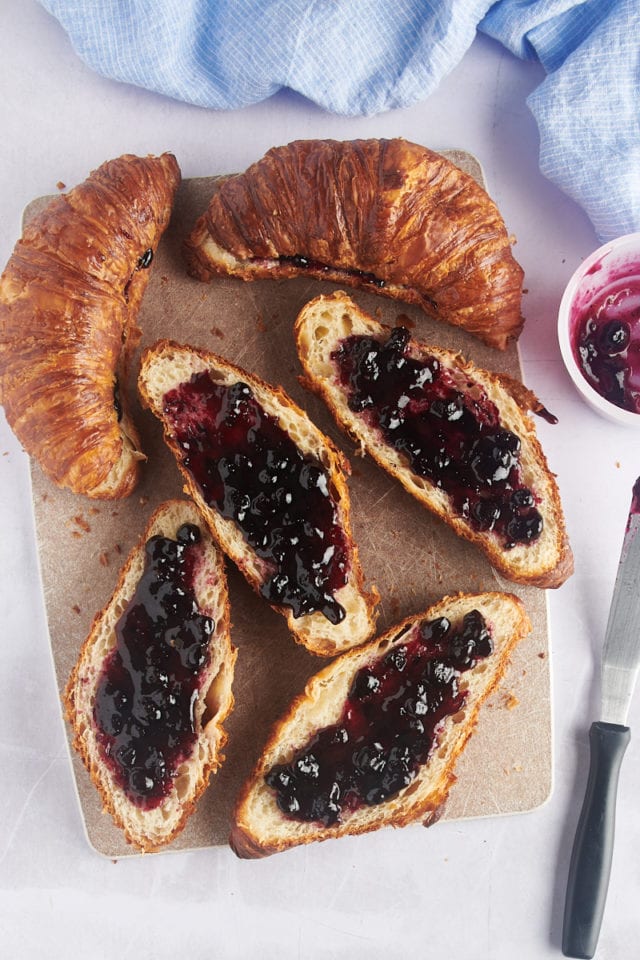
<point>483,889</point>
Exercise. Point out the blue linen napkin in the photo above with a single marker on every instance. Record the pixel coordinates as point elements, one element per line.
<point>361,57</point>
<point>588,106</point>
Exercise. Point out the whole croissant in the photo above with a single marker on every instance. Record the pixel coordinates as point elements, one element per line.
<point>385,215</point>
<point>69,298</point>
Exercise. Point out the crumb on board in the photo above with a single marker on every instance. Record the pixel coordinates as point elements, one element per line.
<point>118,548</point>
<point>542,655</point>
<point>80,521</point>
<point>216,332</point>
<point>104,558</point>
<point>260,323</point>
<point>60,185</point>
<point>143,501</point>
<point>515,768</point>
<point>511,701</point>
<point>76,608</point>
<point>405,321</point>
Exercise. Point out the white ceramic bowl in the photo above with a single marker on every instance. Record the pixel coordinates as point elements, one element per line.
<point>617,259</point>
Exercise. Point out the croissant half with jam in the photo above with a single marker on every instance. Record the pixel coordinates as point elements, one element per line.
<point>385,215</point>
<point>69,298</point>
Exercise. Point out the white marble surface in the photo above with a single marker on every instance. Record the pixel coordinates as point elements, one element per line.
<point>483,889</point>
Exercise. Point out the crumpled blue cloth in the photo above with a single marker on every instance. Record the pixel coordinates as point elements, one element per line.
<point>362,57</point>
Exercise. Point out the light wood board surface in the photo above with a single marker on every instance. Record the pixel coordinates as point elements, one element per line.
<point>411,557</point>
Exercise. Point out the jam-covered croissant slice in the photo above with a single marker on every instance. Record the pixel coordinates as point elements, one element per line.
<point>457,437</point>
<point>150,692</point>
<point>373,739</point>
<point>384,215</point>
<point>271,487</point>
<point>69,299</point>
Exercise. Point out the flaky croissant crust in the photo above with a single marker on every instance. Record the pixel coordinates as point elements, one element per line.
<point>69,298</point>
<point>416,226</point>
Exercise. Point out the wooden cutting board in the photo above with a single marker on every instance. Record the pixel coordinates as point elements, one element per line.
<point>411,557</point>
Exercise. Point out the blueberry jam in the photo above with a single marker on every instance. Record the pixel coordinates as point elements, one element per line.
<point>606,342</point>
<point>147,689</point>
<point>117,400</point>
<point>144,261</point>
<point>306,263</point>
<point>389,726</point>
<point>250,470</point>
<point>449,432</point>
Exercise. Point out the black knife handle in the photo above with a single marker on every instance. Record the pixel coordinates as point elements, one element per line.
<point>593,845</point>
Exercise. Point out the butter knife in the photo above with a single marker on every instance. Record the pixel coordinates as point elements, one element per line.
<point>590,865</point>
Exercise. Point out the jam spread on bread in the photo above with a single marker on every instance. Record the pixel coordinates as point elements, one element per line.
<point>301,262</point>
<point>145,694</point>
<point>251,471</point>
<point>389,725</point>
<point>450,432</point>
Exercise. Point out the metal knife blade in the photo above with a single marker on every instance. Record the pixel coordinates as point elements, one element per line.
<point>621,655</point>
<point>592,853</point>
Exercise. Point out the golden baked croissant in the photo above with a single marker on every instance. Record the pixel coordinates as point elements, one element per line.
<point>69,298</point>
<point>385,215</point>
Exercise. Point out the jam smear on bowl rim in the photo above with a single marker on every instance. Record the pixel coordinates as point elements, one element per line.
<point>250,470</point>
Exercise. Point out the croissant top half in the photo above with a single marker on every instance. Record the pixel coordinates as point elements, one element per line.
<point>387,214</point>
<point>69,298</point>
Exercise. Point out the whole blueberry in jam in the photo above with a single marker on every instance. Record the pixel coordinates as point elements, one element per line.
<point>450,434</point>
<point>388,727</point>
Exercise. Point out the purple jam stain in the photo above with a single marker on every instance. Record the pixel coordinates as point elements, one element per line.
<point>605,334</point>
<point>635,500</point>
<point>546,415</point>
<point>452,437</point>
<point>145,261</point>
<point>389,726</point>
<point>146,692</point>
<point>306,263</point>
<point>250,470</point>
